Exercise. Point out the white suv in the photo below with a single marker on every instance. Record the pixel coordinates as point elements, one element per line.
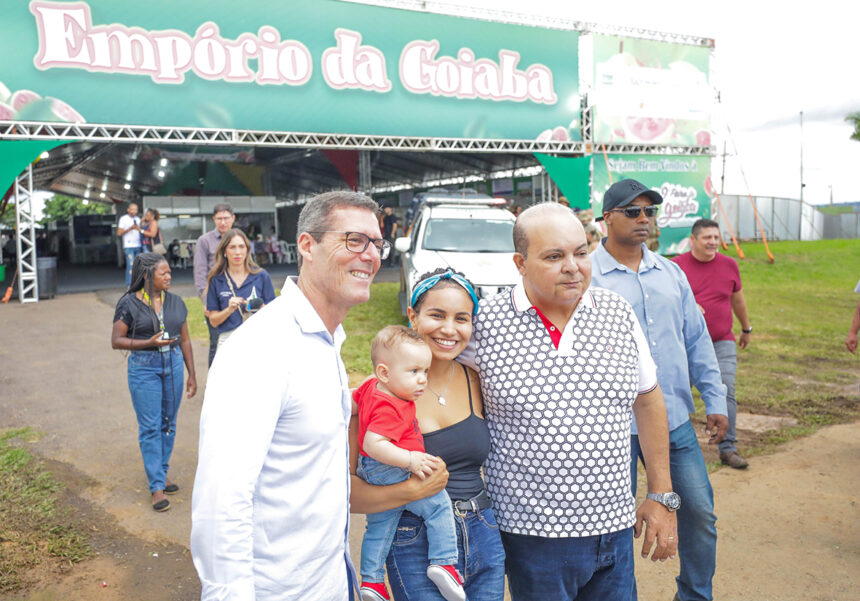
<point>471,234</point>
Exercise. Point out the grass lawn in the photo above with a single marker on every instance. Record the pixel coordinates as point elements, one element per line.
<point>796,365</point>
<point>800,307</point>
<point>35,526</point>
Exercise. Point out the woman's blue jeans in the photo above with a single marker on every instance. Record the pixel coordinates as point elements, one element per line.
<point>697,531</point>
<point>155,381</point>
<point>481,558</point>
<point>436,510</point>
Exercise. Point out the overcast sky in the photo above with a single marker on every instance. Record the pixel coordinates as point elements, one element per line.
<point>772,60</point>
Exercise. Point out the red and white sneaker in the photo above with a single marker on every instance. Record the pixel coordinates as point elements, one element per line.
<point>448,581</point>
<point>374,591</point>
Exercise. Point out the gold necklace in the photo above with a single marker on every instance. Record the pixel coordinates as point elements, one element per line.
<point>440,398</point>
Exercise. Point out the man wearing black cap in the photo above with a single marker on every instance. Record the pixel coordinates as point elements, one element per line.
<point>681,347</point>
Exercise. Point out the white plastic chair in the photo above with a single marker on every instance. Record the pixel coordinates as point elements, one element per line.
<point>184,254</point>
<point>288,251</point>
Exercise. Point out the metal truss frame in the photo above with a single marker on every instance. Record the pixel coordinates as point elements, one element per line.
<point>364,171</point>
<point>35,130</point>
<point>32,130</point>
<point>515,18</point>
<point>25,241</point>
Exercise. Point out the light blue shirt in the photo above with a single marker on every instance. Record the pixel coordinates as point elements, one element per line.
<point>270,508</point>
<point>674,327</point>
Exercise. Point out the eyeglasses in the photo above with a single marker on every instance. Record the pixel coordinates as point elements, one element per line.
<point>357,242</point>
<point>634,212</point>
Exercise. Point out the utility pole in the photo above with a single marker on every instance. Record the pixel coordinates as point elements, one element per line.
<point>723,175</point>
<point>801,158</point>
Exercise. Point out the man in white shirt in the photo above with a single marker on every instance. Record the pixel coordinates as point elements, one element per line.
<point>270,512</point>
<point>128,229</point>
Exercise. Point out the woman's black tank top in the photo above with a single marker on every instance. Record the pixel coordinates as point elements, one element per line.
<point>464,447</point>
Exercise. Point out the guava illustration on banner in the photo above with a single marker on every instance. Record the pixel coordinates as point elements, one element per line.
<point>682,181</point>
<point>648,92</point>
<point>26,105</point>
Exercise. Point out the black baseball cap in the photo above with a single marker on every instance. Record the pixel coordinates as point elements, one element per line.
<point>622,193</point>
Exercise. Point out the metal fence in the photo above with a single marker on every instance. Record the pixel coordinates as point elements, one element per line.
<point>782,219</point>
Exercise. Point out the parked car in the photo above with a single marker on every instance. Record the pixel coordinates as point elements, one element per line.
<point>471,233</point>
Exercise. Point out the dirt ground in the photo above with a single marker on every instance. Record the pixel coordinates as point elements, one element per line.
<point>786,525</point>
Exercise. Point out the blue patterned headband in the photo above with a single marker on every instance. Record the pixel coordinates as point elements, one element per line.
<point>428,283</point>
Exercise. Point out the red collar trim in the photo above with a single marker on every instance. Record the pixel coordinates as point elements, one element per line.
<point>551,329</point>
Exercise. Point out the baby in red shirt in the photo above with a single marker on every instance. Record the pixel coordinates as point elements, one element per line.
<point>390,449</point>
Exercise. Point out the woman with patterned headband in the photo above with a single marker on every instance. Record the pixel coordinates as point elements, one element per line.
<point>450,416</point>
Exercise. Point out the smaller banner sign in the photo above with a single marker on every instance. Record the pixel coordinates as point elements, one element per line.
<point>681,181</point>
<point>648,92</point>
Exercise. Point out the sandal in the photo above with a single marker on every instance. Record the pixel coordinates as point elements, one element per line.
<point>162,505</point>
<point>171,489</point>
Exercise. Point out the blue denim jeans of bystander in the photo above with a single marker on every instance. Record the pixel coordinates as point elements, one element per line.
<point>727,357</point>
<point>435,510</point>
<point>697,531</point>
<point>587,568</point>
<point>481,558</point>
<point>130,253</point>
<point>155,380</point>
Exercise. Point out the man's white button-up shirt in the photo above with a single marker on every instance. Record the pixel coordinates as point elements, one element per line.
<point>270,506</point>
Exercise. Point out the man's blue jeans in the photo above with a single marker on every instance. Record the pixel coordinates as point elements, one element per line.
<point>697,532</point>
<point>587,568</point>
<point>436,511</point>
<point>155,381</point>
<point>481,558</point>
<point>727,357</point>
<point>130,253</point>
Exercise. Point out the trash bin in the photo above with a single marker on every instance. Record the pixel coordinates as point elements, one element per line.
<point>46,268</point>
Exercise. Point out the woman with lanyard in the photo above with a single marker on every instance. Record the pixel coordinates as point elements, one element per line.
<point>450,417</point>
<point>236,286</point>
<point>149,321</point>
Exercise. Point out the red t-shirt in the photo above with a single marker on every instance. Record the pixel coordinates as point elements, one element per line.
<point>713,284</point>
<point>387,416</point>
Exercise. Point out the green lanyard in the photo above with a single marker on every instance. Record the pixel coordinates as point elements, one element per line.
<point>160,313</point>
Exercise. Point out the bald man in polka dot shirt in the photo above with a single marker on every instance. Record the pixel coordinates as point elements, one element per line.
<point>564,367</point>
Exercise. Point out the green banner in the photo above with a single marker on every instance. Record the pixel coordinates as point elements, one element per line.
<point>648,92</point>
<point>572,175</point>
<point>323,67</point>
<point>681,180</point>
<point>15,155</point>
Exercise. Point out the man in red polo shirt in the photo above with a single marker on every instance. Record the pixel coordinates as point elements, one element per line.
<point>716,284</point>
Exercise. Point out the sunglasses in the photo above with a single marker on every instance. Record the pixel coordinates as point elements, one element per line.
<point>634,212</point>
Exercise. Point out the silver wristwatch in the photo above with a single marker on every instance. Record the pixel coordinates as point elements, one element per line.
<point>669,500</point>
